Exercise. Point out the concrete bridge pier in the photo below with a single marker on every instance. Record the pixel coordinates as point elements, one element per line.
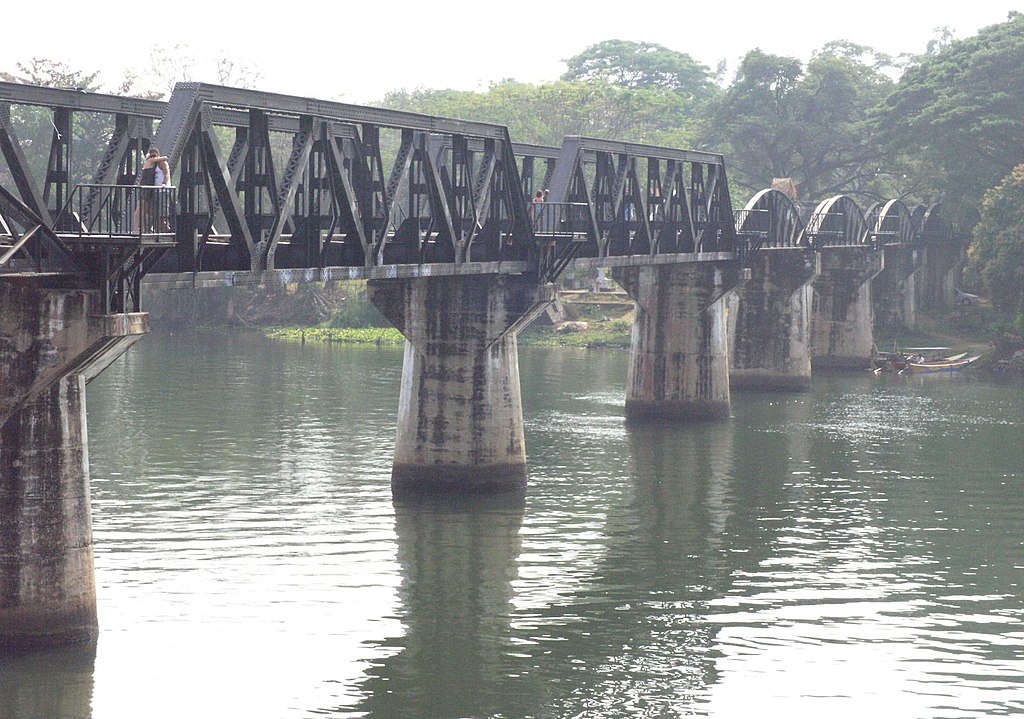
<point>841,317</point>
<point>51,345</point>
<point>940,274</point>
<point>893,290</point>
<point>460,415</point>
<point>679,359</point>
<point>770,322</point>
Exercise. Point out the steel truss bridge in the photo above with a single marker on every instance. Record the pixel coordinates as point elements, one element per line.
<point>297,189</point>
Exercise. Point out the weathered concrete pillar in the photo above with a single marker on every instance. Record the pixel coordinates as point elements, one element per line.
<point>770,321</point>
<point>50,346</point>
<point>679,359</point>
<point>47,586</point>
<point>460,415</point>
<point>841,317</point>
<point>940,274</point>
<point>893,291</point>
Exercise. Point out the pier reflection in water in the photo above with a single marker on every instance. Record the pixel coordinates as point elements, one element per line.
<point>458,560</point>
<point>853,549</point>
<point>38,685</point>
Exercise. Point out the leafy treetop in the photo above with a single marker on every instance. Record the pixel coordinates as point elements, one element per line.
<point>642,65</point>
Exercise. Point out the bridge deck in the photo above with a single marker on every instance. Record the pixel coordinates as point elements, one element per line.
<point>237,278</point>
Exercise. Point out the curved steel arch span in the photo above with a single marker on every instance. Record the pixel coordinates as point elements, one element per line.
<point>771,219</point>
<point>837,221</point>
<point>933,226</point>
<point>892,224</point>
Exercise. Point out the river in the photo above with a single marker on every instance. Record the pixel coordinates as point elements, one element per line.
<point>851,551</point>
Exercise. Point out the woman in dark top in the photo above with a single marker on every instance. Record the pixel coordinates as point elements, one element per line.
<point>155,173</point>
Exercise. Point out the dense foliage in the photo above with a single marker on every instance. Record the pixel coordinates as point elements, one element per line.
<point>544,114</point>
<point>996,257</point>
<point>781,119</point>
<point>960,113</point>
<point>642,65</point>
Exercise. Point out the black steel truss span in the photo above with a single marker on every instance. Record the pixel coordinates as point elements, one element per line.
<point>278,182</point>
<point>344,186</point>
<point>644,200</point>
<point>54,219</point>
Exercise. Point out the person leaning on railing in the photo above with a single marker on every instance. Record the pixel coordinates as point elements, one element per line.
<point>155,173</point>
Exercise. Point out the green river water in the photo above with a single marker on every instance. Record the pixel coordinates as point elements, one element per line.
<point>854,551</point>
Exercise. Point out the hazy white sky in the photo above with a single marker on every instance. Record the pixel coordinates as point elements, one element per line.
<point>357,51</point>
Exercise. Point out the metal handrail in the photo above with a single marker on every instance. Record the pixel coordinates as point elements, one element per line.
<point>741,218</point>
<point>559,218</point>
<point>119,212</point>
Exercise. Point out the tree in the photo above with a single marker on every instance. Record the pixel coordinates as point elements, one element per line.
<point>51,73</point>
<point>778,119</point>
<point>961,111</point>
<point>544,114</point>
<point>996,255</point>
<point>34,125</point>
<point>180,64</point>
<point>642,65</point>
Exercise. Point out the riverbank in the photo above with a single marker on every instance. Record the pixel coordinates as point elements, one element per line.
<point>341,313</point>
<point>606,322</point>
<point>580,319</point>
<point>609,334</point>
<point>974,330</point>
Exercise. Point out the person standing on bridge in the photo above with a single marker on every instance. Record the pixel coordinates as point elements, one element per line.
<point>535,207</point>
<point>155,173</point>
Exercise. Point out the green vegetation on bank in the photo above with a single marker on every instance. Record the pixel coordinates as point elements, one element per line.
<point>615,333</point>
<point>346,335</point>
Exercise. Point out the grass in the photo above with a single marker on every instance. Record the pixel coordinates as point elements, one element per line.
<point>616,333</point>
<point>347,335</point>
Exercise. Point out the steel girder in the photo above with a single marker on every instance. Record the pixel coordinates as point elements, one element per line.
<point>530,156</point>
<point>131,124</point>
<point>42,233</point>
<point>28,244</point>
<point>358,186</point>
<point>645,200</point>
<point>930,225</point>
<point>840,221</point>
<point>17,164</point>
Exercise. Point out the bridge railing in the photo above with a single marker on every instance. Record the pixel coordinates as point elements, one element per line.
<point>128,212</point>
<point>755,222</point>
<point>561,228</point>
<point>560,219</point>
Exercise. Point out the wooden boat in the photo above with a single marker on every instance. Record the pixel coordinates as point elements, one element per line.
<point>946,364</point>
<point>912,359</point>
